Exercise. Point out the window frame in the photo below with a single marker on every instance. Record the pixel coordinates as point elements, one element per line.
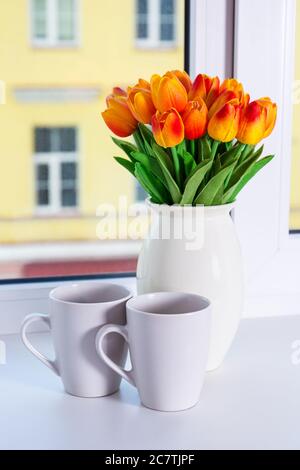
<point>52,40</point>
<point>271,253</point>
<point>54,161</point>
<point>153,40</point>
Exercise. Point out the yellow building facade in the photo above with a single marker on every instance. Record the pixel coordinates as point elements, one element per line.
<point>59,60</point>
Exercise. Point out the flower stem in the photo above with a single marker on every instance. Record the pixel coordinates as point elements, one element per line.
<point>176,165</point>
<point>214,148</point>
<point>193,148</point>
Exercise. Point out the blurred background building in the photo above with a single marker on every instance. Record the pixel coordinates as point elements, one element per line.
<point>59,60</point>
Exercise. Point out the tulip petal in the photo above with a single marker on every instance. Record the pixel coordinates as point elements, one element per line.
<point>154,85</point>
<point>143,107</point>
<point>173,130</point>
<point>225,97</point>
<point>171,94</point>
<point>117,124</point>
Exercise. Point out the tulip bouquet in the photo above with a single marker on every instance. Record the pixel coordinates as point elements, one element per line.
<point>195,142</point>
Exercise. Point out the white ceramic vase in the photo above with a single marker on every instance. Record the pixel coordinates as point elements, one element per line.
<point>211,265</point>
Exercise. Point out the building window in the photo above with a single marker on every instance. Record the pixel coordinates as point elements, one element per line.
<point>155,23</point>
<point>54,22</point>
<point>56,169</point>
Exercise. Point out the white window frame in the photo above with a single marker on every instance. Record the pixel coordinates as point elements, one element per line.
<point>153,40</point>
<point>54,161</point>
<point>265,64</point>
<point>52,40</point>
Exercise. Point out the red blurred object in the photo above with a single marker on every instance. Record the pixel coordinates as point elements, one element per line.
<point>71,268</point>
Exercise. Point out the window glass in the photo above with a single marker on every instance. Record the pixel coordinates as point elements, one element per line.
<point>40,18</point>
<point>68,184</point>
<point>167,20</point>
<point>295,175</point>
<point>42,185</point>
<point>142,19</point>
<point>66,19</point>
<point>56,154</point>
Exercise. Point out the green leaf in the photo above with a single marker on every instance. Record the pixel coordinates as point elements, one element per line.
<point>151,164</point>
<point>232,155</point>
<point>189,162</point>
<point>127,147</point>
<point>164,156</point>
<point>219,196</point>
<point>204,149</point>
<point>181,148</point>
<point>149,184</point>
<point>231,194</point>
<point>243,167</point>
<point>172,185</point>
<point>146,133</point>
<point>248,150</point>
<point>141,157</point>
<point>126,164</point>
<point>139,141</point>
<point>194,181</point>
<point>212,188</point>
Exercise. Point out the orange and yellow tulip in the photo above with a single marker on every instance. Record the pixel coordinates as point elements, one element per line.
<point>224,124</point>
<point>233,85</point>
<point>140,102</point>
<point>168,128</point>
<point>168,92</point>
<point>183,77</point>
<point>195,117</point>
<point>118,116</point>
<point>271,114</point>
<point>257,121</point>
<point>205,87</point>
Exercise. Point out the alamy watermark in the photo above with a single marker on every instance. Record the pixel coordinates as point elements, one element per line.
<point>2,353</point>
<point>126,221</point>
<point>295,356</point>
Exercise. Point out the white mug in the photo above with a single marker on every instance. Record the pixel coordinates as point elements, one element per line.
<point>76,312</point>
<point>168,337</point>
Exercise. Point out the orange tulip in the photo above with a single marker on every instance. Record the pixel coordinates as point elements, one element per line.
<point>118,116</point>
<point>183,77</point>
<point>206,88</point>
<point>140,102</point>
<point>257,121</point>
<point>168,92</point>
<point>271,114</point>
<point>233,85</point>
<point>168,128</point>
<point>195,119</point>
<point>224,124</point>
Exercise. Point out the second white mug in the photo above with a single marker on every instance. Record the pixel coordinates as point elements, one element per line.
<point>168,335</point>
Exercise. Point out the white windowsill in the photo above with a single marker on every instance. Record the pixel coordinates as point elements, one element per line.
<point>251,402</point>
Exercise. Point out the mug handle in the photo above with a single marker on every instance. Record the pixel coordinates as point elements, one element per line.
<point>28,321</point>
<point>106,330</point>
